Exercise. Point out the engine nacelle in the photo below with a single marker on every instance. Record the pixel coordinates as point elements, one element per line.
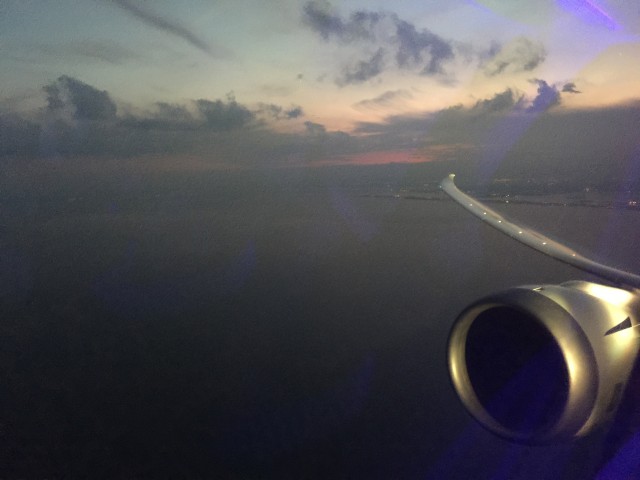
<point>540,364</point>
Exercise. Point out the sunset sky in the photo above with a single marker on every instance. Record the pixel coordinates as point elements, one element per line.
<point>287,70</point>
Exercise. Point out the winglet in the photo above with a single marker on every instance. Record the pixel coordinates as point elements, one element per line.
<point>536,240</point>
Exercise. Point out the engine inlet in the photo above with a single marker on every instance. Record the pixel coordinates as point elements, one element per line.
<point>516,369</point>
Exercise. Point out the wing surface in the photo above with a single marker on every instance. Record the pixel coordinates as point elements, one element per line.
<point>536,240</point>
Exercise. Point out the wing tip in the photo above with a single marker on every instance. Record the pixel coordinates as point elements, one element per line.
<point>448,180</point>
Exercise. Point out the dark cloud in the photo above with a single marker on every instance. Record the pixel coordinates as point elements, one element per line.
<point>454,117</point>
<point>211,115</point>
<point>277,112</point>
<point>142,12</point>
<point>519,55</point>
<point>413,49</point>
<point>173,111</point>
<point>500,102</point>
<point>223,116</point>
<point>577,145</point>
<point>547,97</point>
<point>319,16</point>
<point>504,133</point>
<point>81,101</point>
<point>220,131</point>
<point>363,70</point>
<point>166,116</point>
<point>294,112</point>
<point>570,88</point>
<point>421,48</point>
<point>315,129</point>
<point>271,110</point>
<point>18,137</point>
<point>493,124</point>
<point>384,100</point>
<point>398,130</point>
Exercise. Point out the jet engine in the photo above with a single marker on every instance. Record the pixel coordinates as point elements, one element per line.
<point>541,364</point>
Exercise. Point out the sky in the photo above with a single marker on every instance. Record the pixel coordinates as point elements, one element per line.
<point>291,82</point>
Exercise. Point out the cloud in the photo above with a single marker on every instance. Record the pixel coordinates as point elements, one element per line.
<point>294,112</point>
<point>79,121</point>
<point>315,129</point>
<point>277,112</point>
<point>547,97</point>
<point>422,48</point>
<point>319,16</point>
<point>399,130</point>
<point>363,70</point>
<point>79,100</point>
<point>387,99</point>
<point>519,55</point>
<point>525,133</point>
<point>173,111</point>
<point>142,12</point>
<point>418,50</point>
<point>500,102</point>
<point>570,88</point>
<point>223,116</point>
<point>165,116</point>
<point>18,137</point>
<point>271,110</point>
<point>494,123</point>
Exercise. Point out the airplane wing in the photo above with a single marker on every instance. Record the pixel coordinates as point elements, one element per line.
<point>536,240</point>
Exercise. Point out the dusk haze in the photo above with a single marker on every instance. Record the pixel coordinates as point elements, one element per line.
<point>320,239</point>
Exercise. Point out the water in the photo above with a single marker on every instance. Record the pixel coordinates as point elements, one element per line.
<point>270,324</point>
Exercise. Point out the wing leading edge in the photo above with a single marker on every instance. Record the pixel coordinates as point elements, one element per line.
<point>536,240</point>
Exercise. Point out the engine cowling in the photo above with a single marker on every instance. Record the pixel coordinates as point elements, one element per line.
<point>541,364</point>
